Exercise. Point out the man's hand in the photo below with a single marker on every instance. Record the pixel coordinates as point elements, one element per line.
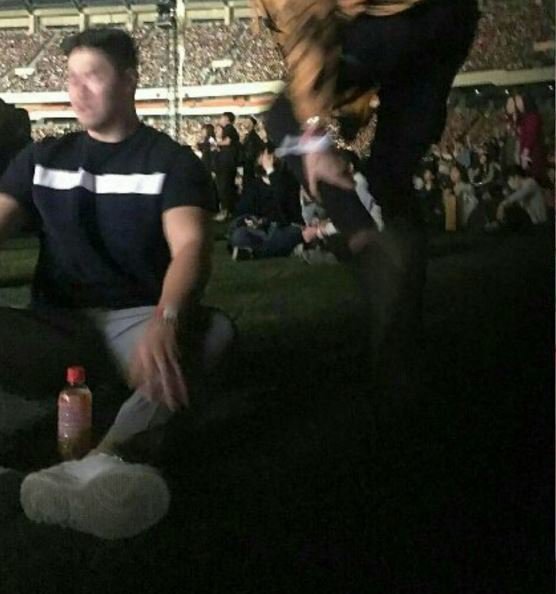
<point>328,167</point>
<point>155,366</point>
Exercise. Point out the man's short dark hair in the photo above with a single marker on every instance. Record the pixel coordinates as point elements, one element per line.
<point>118,46</point>
<point>230,116</point>
<point>253,120</point>
<point>516,171</point>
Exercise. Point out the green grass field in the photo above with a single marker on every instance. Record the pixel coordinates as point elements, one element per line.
<point>293,493</point>
<point>280,304</point>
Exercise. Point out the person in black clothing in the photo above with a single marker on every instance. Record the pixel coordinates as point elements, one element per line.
<point>337,55</point>
<point>122,214</point>
<point>271,193</point>
<point>268,221</point>
<point>251,149</point>
<point>207,146</point>
<point>15,132</point>
<point>430,199</point>
<point>226,164</point>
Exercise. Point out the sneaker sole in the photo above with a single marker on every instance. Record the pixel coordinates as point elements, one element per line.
<point>45,499</point>
<point>118,503</point>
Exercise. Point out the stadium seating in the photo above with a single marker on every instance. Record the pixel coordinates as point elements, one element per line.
<point>217,54</point>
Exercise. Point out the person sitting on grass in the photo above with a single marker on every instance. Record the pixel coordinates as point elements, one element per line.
<point>269,221</point>
<point>122,213</point>
<point>525,203</point>
<point>270,194</point>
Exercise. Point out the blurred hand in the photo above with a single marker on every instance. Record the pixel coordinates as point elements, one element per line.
<point>155,366</point>
<point>310,234</point>
<point>327,167</point>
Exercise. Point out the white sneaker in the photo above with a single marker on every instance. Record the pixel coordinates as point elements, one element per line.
<point>100,494</point>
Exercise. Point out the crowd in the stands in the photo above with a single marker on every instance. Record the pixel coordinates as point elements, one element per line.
<point>215,53</point>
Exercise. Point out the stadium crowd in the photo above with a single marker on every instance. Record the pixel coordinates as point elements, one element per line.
<point>18,48</point>
<point>461,183</point>
<point>507,34</point>
<point>216,53</point>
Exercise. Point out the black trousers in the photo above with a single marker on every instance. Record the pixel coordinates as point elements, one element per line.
<point>225,170</point>
<point>414,57</point>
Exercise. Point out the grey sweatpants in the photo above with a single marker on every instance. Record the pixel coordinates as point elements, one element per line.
<point>37,345</point>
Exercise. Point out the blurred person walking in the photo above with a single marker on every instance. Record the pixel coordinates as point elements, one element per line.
<point>349,59</point>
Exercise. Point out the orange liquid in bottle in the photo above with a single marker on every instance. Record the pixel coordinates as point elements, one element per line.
<point>75,416</point>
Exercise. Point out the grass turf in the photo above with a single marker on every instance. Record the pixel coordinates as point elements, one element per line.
<point>294,496</point>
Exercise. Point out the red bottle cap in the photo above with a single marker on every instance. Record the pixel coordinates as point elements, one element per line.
<point>75,375</point>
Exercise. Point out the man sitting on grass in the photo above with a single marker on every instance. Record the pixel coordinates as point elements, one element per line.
<point>525,203</point>
<point>122,213</point>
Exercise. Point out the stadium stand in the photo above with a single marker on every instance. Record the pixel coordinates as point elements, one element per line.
<point>216,53</point>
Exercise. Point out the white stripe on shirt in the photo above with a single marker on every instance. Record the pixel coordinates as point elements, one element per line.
<point>107,183</point>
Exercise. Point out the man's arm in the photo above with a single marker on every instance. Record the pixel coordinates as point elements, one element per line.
<point>187,233</point>
<point>12,216</point>
<point>155,365</point>
<point>520,196</point>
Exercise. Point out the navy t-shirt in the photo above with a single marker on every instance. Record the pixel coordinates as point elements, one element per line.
<point>98,208</point>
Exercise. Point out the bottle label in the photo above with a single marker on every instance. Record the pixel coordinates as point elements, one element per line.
<point>74,418</point>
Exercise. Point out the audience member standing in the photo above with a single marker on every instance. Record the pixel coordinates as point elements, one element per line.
<point>532,152</point>
<point>252,146</point>
<point>510,150</point>
<point>228,145</point>
<point>207,146</point>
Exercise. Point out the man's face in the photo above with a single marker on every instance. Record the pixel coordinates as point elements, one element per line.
<point>224,121</point>
<point>249,125</point>
<point>98,94</point>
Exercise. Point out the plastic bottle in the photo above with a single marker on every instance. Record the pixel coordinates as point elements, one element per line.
<point>74,416</point>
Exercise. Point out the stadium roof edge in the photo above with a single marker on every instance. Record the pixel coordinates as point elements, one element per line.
<point>30,5</point>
